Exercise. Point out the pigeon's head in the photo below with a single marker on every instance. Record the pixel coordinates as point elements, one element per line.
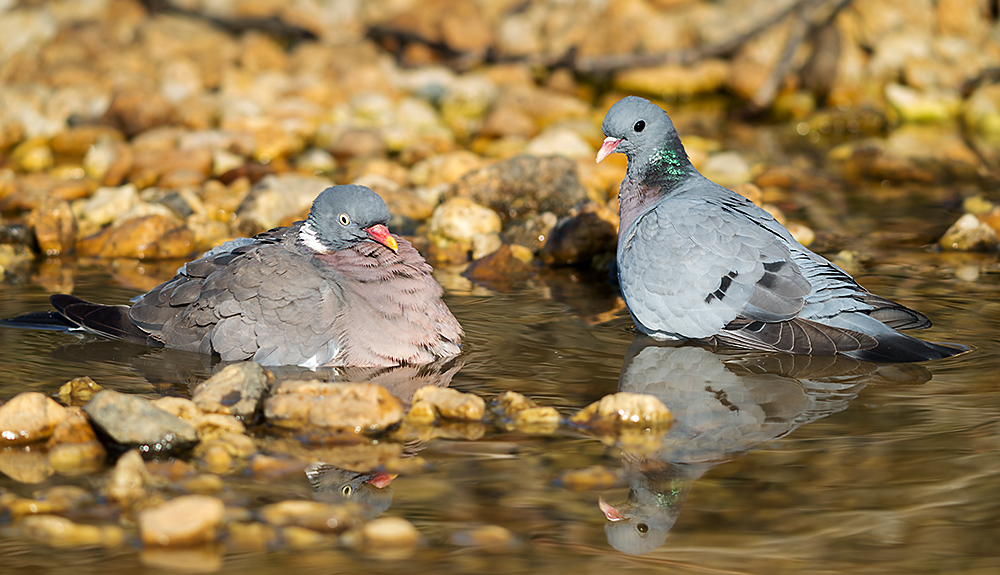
<point>342,216</point>
<point>336,485</point>
<point>634,529</point>
<point>635,127</point>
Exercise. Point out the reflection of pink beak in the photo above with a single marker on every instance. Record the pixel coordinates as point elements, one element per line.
<point>610,512</point>
<point>607,148</point>
<point>380,479</point>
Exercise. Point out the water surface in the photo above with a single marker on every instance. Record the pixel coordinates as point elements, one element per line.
<point>774,465</point>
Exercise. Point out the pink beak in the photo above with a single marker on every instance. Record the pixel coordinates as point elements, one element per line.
<point>607,148</point>
<point>610,512</point>
<point>381,234</point>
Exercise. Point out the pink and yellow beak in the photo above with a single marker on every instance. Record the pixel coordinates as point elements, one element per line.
<point>381,479</point>
<point>609,511</point>
<point>607,148</point>
<point>381,234</point>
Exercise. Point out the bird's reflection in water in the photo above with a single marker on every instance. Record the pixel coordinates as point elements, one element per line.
<point>175,372</point>
<point>371,490</point>
<point>724,404</point>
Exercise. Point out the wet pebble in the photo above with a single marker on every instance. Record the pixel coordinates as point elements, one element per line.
<point>431,403</point>
<point>624,411</point>
<point>25,464</point>
<point>296,537</point>
<point>389,535</point>
<point>591,229</point>
<point>198,559</point>
<point>590,478</point>
<point>457,223</point>
<point>523,186</point>
<point>105,206</point>
<point>352,408</point>
<point>237,390</point>
<point>57,500</point>
<point>61,532</point>
<point>74,447</point>
<point>78,391</point>
<point>968,233</point>
<point>133,421</point>
<point>29,417</point>
<point>517,411</point>
<point>500,269</point>
<point>185,521</point>
<point>251,536</point>
<point>54,227</point>
<point>156,236</point>
<point>323,517</point>
<point>14,259</point>
<point>129,479</point>
<point>489,537</point>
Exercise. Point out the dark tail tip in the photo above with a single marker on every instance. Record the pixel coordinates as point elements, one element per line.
<point>901,348</point>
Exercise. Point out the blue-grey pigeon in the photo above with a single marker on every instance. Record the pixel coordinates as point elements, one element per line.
<point>336,289</point>
<point>700,262</point>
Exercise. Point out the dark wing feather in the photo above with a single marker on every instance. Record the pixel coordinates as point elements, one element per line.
<point>894,315</point>
<point>107,320</point>
<point>793,336</point>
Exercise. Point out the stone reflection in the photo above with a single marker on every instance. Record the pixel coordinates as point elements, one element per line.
<point>724,405</point>
<point>175,372</point>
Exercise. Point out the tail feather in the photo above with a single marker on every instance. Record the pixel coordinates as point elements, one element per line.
<point>893,346</point>
<point>40,320</point>
<point>107,320</point>
<point>898,348</point>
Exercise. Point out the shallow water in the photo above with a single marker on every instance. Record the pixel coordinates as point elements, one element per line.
<point>773,465</point>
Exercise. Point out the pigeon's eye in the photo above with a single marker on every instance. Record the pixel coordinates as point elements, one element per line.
<point>347,489</point>
<point>345,219</point>
<point>639,126</point>
<point>642,528</point>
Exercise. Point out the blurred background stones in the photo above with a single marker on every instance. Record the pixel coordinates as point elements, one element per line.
<point>156,130</point>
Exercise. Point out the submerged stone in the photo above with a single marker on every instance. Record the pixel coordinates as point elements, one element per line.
<point>61,532</point>
<point>182,522</point>
<point>323,517</point>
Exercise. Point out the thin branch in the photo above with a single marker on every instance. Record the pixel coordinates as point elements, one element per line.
<point>684,57</point>
<point>273,25</point>
<point>805,21</point>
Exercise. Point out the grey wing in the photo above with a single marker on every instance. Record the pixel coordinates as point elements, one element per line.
<point>689,268</point>
<point>267,304</point>
<point>831,291</point>
<point>835,292</point>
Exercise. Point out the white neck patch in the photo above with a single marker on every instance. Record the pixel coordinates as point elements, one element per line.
<point>308,237</point>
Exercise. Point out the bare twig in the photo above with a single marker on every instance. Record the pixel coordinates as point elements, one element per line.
<point>724,48</point>
<point>806,20</point>
<point>274,25</point>
<point>597,64</point>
